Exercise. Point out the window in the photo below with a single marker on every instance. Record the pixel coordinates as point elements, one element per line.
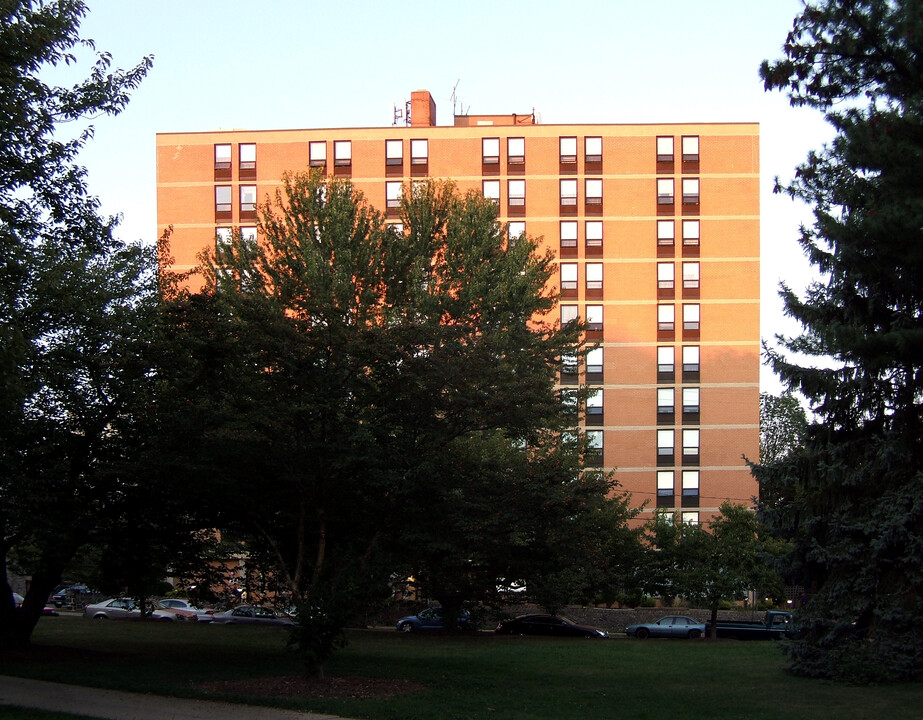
<point>593,149</point>
<point>223,199</point>
<point>665,276</point>
<point>690,518</point>
<point>690,401</point>
<point>517,192</point>
<point>594,233</point>
<point>690,148</point>
<point>665,359</point>
<point>690,483</point>
<point>569,277</point>
<point>342,153</point>
<point>664,488</point>
<point>594,191</point>
<point>594,402</point>
<point>690,446</point>
<point>665,444</point>
<point>419,152</point>
<point>394,152</point>
<point>691,316</point>
<point>666,317</point>
<point>393,195</point>
<point>665,232</point>
<point>491,190</point>
<point>247,199</point>
<point>569,193</point>
<point>317,154</point>
<point>490,151</point>
<point>223,161</point>
<point>568,233</point>
<point>690,276</point>
<point>594,276</point>
<point>223,236</point>
<point>690,358</point>
<point>665,148</point>
<point>568,146</point>
<point>690,232</point>
<point>594,361</point>
<point>568,313</point>
<point>569,365</point>
<point>515,230</point>
<point>397,227</point>
<point>569,398</point>
<point>665,401</point>
<point>664,191</point>
<point>516,151</point>
<point>248,234</point>
<point>247,154</point>
<point>594,443</point>
<point>690,191</point>
<point>594,318</point>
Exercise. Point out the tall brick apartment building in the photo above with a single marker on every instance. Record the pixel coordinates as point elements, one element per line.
<point>656,228</point>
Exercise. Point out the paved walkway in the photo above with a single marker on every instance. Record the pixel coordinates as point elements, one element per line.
<point>116,705</point>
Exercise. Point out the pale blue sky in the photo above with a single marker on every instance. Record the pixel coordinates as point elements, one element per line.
<point>303,63</point>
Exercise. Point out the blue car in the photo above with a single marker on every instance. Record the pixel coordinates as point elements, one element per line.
<point>431,619</point>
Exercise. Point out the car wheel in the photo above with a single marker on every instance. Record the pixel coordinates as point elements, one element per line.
<point>100,617</point>
<point>406,627</point>
<point>642,633</point>
<point>695,634</point>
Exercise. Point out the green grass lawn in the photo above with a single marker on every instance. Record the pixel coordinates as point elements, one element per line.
<point>471,677</point>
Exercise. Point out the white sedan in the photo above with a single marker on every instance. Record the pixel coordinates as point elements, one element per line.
<point>180,604</point>
<point>125,609</point>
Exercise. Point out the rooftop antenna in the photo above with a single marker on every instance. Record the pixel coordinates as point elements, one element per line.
<point>457,107</point>
<point>401,116</point>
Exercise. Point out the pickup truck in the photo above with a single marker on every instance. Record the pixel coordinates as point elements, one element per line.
<point>776,624</point>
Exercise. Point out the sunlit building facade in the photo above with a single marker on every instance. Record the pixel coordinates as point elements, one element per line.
<point>656,230</point>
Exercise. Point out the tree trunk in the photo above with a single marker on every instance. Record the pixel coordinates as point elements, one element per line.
<point>17,624</point>
<point>713,630</point>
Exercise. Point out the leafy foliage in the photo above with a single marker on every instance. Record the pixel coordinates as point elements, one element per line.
<point>72,305</point>
<point>707,566</point>
<point>366,403</point>
<point>783,424</point>
<point>853,499</point>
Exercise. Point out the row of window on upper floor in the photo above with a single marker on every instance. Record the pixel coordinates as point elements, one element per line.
<point>516,190</point>
<point>666,318</point>
<point>593,273</point>
<point>666,365</point>
<point>490,153</point>
<point>666,448</point>
<point>666,405</point>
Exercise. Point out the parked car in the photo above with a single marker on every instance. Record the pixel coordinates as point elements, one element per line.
<point>180,604</point>
<point>670,626</point>
<point>48,610</point>
<point>124,609</point>
<point>431,619</point>
<point>776,624</point>
<point>70,595</point>
<point>548,626</point>
<point>251,615</point>
<point>177,613</point>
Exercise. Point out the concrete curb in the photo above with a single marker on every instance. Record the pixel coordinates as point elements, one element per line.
<point>117,705</point>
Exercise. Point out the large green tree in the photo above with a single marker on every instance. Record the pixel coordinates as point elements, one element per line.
<point>853,499</point>
<point>70,302</point>
<point>718,562</point>
<point>370,401</point>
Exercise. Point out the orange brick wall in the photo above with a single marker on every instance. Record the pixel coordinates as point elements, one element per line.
<point>728,257</point>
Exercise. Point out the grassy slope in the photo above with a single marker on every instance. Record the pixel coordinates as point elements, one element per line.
<point>474,677</point>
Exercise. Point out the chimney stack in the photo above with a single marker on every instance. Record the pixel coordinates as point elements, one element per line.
<point>422,109</point>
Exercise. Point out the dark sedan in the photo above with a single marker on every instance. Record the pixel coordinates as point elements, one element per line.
<point>549,626</point>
